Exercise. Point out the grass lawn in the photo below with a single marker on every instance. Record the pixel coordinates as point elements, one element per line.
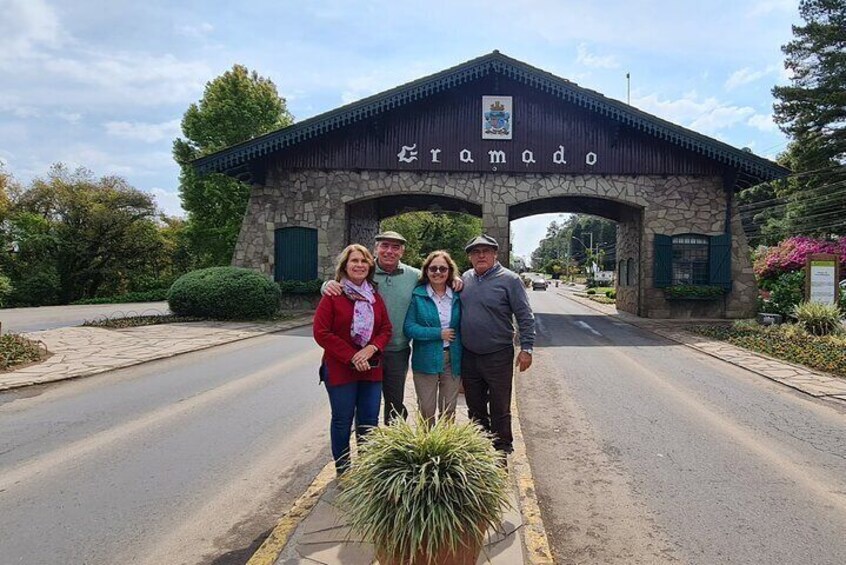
<point>787,342</point>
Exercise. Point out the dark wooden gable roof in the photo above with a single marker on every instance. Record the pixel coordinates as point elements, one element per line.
<point>750,169</point>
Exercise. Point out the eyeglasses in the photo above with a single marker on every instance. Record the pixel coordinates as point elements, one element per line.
<point>438,269</point>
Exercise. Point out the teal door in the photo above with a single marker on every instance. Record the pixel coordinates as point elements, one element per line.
<point>296,254</point>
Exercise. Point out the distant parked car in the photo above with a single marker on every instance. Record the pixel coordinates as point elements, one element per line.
<point>539,283</point>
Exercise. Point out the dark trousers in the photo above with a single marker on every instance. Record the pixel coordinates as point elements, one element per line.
<point>394,370</point>
<point>487,389</point>
<point>359,402</point>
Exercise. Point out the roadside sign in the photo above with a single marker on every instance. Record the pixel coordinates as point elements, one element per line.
<point>822,273</point>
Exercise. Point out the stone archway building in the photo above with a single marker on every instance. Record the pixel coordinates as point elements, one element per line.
<point>502,140</point>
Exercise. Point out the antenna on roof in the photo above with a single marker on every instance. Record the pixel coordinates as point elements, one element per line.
<point>629,89</point>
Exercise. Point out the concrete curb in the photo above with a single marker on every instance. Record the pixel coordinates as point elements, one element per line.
<point>294,323</point>
<point>269,551</point>
<point>682,335</point>
<point>535,542</point>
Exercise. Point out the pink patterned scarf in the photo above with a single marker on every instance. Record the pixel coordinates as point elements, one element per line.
<point>364,297</point>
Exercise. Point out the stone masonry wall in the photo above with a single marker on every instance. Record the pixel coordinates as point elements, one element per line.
<point>335,203</point>
<point>628,247</point>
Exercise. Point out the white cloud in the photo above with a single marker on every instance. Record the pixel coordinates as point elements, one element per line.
<point>195,31</point>
<point>595,61</point>
<point>69,117</point>
<point>149,133</point>
<point>133,77</point>
<point>27,25</point>
<point>747,75</point>
<point>168,201</point>
<point>708,116</point>
<point>763,122</point>
<point>764,7</point>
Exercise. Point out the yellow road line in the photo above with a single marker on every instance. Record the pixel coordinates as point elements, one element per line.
<point>269,551</point>
<point>534,532</point>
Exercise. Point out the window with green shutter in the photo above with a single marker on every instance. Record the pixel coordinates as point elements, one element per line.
<point>719,273</point>
<point>295,254</point>
<point>663,274</point>
<point>690,259</point>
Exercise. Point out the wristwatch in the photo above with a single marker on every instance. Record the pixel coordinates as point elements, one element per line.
<point>529,351</point>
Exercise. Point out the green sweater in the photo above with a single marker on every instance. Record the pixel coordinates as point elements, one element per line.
<point>396,289</point>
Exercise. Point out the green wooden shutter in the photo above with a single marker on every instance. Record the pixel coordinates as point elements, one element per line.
<point>295,254</point>
<point>719,261</point>
<point>663,261</point>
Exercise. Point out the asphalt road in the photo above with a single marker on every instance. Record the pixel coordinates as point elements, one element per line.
<point>18,320</point>
<point>645,451</point>
<point>189,460</point>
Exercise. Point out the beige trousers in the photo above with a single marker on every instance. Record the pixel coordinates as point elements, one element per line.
<point>437,392</point>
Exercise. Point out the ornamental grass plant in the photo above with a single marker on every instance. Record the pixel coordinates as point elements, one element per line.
<point>819,319</point>
<point>425,495</point>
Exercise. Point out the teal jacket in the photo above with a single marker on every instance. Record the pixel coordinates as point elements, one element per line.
<point>423,326</point>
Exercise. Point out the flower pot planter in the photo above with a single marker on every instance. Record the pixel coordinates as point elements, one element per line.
<point>465,554</point>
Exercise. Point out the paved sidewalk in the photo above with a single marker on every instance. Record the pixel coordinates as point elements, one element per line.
<point>85,351</point>
<point>813,383</point>
<point>313,531</point>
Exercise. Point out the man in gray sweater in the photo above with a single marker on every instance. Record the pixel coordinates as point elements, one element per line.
<point>492,295</point>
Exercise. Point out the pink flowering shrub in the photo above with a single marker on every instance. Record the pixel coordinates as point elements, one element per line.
<point>790,255</point>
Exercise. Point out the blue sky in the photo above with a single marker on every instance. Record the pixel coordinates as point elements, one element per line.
<point>104,84</point>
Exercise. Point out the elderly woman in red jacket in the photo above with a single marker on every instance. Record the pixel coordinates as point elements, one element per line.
<point>353,330</point>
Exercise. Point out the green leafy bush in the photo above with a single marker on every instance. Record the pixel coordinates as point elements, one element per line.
<point>416,492</point>
<point>693,291</point>
<point>300,287</point>
<point>612,294</point>
<point>5,289</point>
<point>818,319</point>
<point>786,291</point>
<point>38,289</point>
<point>591,291</point>
<point>224,293</point>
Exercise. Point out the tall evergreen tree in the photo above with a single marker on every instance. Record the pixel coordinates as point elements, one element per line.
<point>812,111</point>
<point>236,106</point>
<point>812,108</point>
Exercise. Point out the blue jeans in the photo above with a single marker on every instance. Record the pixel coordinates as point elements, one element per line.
<point>357,401</point>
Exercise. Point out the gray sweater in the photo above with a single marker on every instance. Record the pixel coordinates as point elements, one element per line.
<point>487,305</point>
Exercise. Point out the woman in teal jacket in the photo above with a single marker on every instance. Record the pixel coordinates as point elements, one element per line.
<point>433,325</point>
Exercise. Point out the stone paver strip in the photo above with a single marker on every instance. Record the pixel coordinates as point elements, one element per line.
<point>813,383</point>
<point>83,351</point>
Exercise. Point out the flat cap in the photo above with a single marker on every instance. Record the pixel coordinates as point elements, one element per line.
<point>391,235</point>
<point>483,239</point>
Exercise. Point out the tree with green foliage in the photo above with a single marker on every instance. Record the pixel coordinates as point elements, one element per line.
<point>236,106</point>
<point>568,242</point>
<point>429,231</point>
<point>812,111</point>
<point>812,108</point>
<point>87,230</point>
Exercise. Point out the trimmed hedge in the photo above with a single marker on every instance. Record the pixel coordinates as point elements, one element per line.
<point>146,296</point>
<point>300,287</point>
<point>224,293</point>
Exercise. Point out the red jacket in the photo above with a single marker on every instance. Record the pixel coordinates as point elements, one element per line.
<point>332,323</point>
